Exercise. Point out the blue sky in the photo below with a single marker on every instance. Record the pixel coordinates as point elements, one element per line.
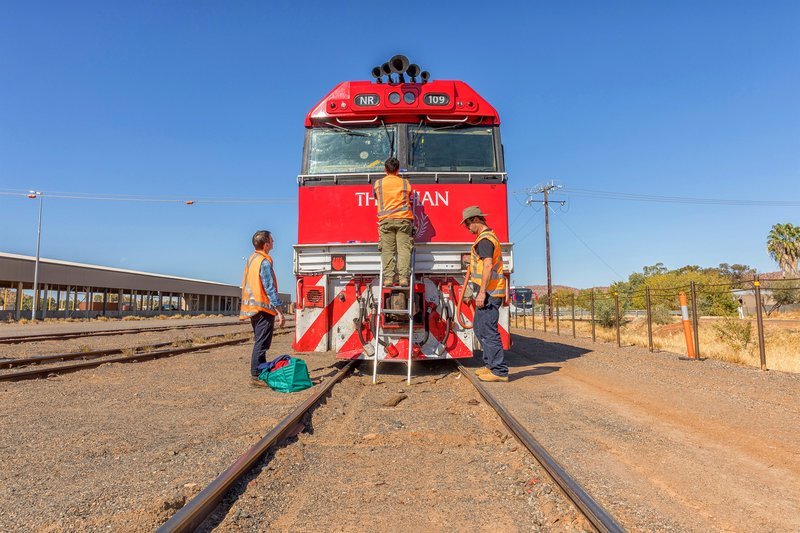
<point>194,99</point>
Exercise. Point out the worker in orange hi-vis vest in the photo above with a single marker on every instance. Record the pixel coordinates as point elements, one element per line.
<point>395,224</point>
<point>260,301</point>
<point>487,281</point>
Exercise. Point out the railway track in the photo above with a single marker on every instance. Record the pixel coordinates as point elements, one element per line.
<point>195,512</point>
<point>99,333</point>
<point>89,354</point>
<point>146,353</point>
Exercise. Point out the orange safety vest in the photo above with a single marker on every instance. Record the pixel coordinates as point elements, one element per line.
<point>254,297</point>
<point>392,194</point>
<point>497,279</point>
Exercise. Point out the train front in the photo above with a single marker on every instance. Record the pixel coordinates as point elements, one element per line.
<point>447,139</point>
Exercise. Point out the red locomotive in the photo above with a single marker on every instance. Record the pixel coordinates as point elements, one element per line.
<point>447,138</point>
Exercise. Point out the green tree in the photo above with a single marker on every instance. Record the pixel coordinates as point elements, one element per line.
<point>784,292</point>
<point>713,293</point>
<point>783,245</point>
<point>736,272</point>
<point>605,310</point>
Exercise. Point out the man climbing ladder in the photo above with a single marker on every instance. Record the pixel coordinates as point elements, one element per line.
<point>395,222</point>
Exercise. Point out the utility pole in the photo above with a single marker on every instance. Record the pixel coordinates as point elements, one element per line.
<point>545,190</point>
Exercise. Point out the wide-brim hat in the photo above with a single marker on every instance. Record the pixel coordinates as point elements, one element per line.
<point>472,211</point>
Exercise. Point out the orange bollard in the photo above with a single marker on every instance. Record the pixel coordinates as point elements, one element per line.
<point>687,326</point>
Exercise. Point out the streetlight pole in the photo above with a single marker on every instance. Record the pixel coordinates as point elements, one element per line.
<point>35,194</point>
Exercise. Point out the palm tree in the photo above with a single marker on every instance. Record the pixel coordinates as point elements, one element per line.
<point>783,245</point>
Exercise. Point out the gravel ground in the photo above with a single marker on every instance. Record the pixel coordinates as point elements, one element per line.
<point>30,349</point>
<point>438,460</point>
<point>120,447</point>
<point>663,444</point>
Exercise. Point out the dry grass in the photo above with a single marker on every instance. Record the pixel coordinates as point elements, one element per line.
<point>786,315</point>
<point>782,342</point>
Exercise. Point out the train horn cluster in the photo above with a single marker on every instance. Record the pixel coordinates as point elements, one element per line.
<point>399,66</point>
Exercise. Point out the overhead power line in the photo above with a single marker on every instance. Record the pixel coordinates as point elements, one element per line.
<point>611,195</point>
<point>150,199</point>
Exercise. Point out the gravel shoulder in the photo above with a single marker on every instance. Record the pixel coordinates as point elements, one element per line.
<point>664,444</point>
<point>121,447</point>
<point>34,348</point>
<point>15,329</point>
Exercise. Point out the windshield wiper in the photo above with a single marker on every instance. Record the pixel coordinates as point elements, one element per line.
<point>347,130</point>
<point>453,126</point>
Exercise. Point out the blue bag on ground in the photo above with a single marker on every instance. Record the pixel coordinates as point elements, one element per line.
<point>290,378</point>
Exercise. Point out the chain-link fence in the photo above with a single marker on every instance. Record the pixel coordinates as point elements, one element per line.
<point>744,322</point>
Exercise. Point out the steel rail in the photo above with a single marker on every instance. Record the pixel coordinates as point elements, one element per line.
<point>101,332</point>
<point>145,356</point>
<point>194,513</point>
<point>597,516</point>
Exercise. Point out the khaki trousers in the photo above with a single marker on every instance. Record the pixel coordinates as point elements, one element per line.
<point>395,239</point>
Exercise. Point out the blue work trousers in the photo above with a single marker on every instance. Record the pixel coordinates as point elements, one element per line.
<point>263,327</point>
<point>486,329</point>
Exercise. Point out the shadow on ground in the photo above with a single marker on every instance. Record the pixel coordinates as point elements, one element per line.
<point>526,351</point>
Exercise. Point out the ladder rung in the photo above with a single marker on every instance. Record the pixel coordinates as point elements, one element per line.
<point>397,311</point>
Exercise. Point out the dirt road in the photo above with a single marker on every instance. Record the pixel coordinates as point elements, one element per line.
<point>663,443</point>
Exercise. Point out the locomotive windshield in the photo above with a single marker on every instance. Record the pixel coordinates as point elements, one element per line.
<point>334,150</point>
<point>444,149</point>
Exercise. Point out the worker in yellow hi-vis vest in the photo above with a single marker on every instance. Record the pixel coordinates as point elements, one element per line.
<point>488,283</point>
<point>395,224</point>
<point>260,301</point>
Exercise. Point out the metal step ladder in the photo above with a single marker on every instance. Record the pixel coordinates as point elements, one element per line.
<point>379,331</point>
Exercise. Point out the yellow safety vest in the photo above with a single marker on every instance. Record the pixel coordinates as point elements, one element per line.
<point>392,194</point>
<point>254,297</point>
<point>497,279</point>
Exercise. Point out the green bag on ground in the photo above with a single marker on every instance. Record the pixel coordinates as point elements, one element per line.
<point>290,378</point>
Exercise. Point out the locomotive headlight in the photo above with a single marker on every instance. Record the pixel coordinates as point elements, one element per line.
<point>394,98</point>
<point>409,97</point>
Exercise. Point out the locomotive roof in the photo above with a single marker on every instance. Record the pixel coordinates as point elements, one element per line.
<point>363,103</point>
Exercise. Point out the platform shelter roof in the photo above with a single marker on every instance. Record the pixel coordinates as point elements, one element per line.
<point>16,268</point>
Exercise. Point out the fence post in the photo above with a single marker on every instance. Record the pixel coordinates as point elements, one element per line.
<point>649,319</point>
<point>516,315</point>
<point>695,320</point>
<point>524,312</point>
<point>616,315</point>
<point>573,315</point>
<point>533,314</point>
<point>544,314</point>
<point>760,323</point>
<point>591,299</point>
<point>558,318</point>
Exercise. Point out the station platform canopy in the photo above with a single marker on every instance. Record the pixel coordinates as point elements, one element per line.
<point>97,289</point>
